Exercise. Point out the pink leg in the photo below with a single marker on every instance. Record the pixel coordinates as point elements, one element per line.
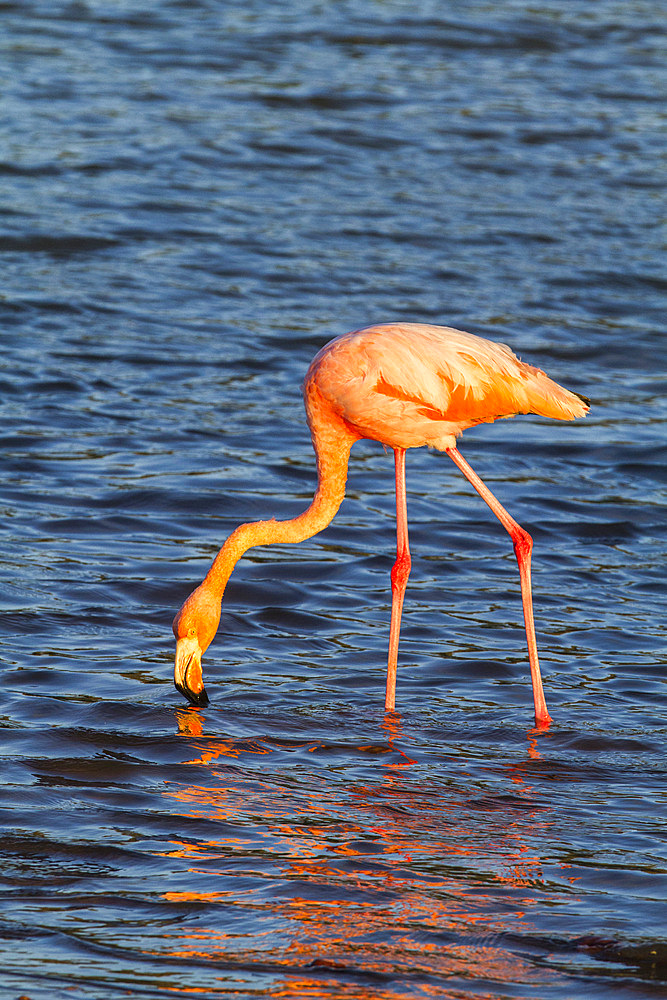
<point>399,577</point>
<point>523,545</point>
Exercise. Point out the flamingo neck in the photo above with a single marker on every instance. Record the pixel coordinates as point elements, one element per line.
<point>333,451</point>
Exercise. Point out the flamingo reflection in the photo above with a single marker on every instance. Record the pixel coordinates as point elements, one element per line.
<point>313,878</point>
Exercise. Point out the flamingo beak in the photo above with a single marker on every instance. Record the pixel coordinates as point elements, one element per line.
<point>187,672</point>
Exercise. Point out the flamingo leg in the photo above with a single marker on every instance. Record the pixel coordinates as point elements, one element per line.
<point>399,577</point>
<point>523,546</point>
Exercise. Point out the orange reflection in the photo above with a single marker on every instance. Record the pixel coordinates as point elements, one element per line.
<point>403,878</point>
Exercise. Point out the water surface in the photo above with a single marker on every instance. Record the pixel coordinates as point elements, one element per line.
<point>195,197</point>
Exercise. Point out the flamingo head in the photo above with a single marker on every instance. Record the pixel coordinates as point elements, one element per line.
<point>194,628</point>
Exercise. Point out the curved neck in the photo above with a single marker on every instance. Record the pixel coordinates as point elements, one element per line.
<point>333,451</point>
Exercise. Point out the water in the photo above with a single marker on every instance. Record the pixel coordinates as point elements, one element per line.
<point>195,197</point>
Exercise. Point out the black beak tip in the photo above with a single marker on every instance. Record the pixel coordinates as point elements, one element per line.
<point>197,698</point>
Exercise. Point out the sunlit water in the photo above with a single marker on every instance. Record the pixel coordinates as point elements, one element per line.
<point>195,197</point>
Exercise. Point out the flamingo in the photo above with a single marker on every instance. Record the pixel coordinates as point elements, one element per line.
<point>405,385</point>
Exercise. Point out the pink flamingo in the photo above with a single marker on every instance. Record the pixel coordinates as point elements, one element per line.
<point>404,385</point>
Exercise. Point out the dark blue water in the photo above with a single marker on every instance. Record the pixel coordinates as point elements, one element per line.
<point>195,197</point>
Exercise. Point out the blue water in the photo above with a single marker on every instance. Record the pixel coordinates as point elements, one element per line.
<point>195,197</point>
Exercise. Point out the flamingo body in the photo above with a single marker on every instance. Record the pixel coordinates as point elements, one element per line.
<point>405,385</point>
<point>408,384</point>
